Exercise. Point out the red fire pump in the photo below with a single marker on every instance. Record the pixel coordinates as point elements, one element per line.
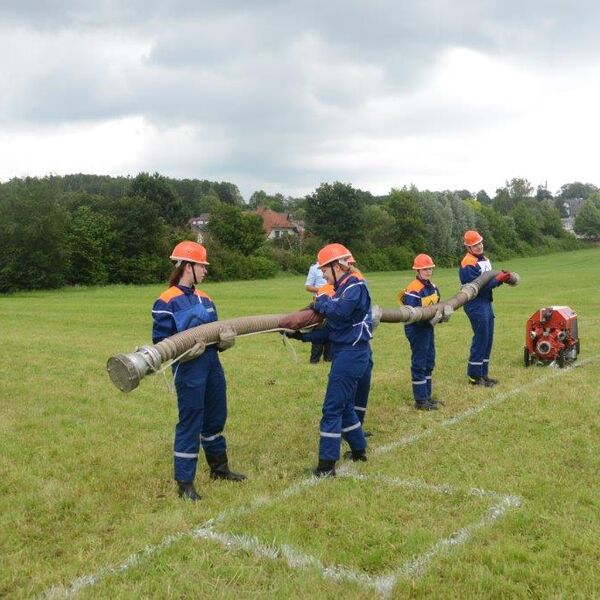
<point>551,336</point>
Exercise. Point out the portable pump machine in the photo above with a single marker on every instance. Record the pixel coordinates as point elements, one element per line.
<point>551,337</point>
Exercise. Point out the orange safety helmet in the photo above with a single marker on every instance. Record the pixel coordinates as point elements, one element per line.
<point>423,261</point>
<point>191,252</point>
<point>331,253</point>
<point>472,238</point>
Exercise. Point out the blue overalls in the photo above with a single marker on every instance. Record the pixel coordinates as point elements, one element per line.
<point>200,383</point>
<point>480,313</point>
<point>421,337</point>
<point>349,328</point>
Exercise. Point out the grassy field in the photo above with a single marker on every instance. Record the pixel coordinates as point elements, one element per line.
<point>495,495</point>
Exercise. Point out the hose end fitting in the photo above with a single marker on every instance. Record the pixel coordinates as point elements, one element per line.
<point>127,370</point>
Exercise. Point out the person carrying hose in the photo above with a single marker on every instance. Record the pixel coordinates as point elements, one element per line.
<point>349,328</point>
<point>479,310</point>
<point>198,376</point>
<point>315,280</point>
<point>422,292</point>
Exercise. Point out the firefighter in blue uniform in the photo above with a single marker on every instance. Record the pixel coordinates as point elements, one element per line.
<point>198,376</point>
<point>479,310</point>
<point>348,326</point>
<point>422,292</point>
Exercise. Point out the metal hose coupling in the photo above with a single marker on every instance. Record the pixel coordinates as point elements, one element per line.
<point>127,370</point>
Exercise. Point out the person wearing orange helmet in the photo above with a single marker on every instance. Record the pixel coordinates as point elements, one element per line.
<point>479,310</point>
<point>349,328</point>
<point>198,375</point>
<point>421,337</point>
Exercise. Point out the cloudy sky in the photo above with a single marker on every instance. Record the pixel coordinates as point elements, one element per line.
<point>282,96</point>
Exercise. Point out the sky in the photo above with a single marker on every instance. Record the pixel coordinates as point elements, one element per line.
<point>281,96</point>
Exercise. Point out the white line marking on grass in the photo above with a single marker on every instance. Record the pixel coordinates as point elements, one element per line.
<point>294,558</point>
<point>471,412</point>
<point>135,559</point>
<point>382,584</point>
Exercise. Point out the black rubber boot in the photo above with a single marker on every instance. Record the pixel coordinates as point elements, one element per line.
<point>356,455</point>
<point>480,381</point>
<point>325,468</point>
<point>426,405</point>
<point>490,380</point>
<point>186,490</point>
<point>219,468</point>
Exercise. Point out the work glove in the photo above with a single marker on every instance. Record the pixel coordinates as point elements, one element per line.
<point>447,312</point>
<point>503,276</point>
<point>291,334</point>
<point>376,313</point>
<point>195,351</point>
<point>226,339</point>
<point>436,318</point>
<point>514,279</point>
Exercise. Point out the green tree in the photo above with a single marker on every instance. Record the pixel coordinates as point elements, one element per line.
<point>500,237</point>
<point>551,223</point>
<point>463,219</point>
<point>543,193</point>
<point>139,248</point>
<point>516,190</point>
<point>576,189</point>
<point>159,192</point>
<point>34,224</point>
<point>483,197</point>
<point>90,237</point>
<point>587,222</point>
<point>235,230</point>
<point>276,202</point>
<point>440,243</point>
<point>381,231</point>
<point>228,193</point>
<point>409,229</point>
<point>335,213</point>
<point>526,224</point>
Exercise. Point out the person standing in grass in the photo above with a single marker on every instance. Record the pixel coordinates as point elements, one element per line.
<point>422,292</point>
<point>198,376</point>
<point>314,281</point>
<point>349,327</point>
<point>479,310</point>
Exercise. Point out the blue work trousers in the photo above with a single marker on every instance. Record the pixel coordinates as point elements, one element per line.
<point>350,371</point>
<point>422,346</point>
<point>201,399</point>
<point>482,318</point>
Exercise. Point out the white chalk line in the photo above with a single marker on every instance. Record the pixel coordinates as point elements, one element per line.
<point>385,583</point>
<point>476,410</point>
<point>135,559</point>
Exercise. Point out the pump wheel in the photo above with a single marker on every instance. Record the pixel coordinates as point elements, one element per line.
<point>526,357</point>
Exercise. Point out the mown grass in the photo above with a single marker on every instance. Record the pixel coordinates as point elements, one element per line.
<point>85,475</point>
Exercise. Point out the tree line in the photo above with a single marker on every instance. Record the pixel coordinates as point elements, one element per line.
<point>98,230</point>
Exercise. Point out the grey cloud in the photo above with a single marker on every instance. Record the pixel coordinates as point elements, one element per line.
<point>276,77</point>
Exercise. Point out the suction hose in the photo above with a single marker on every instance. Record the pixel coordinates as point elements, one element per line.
<point>127,370</point>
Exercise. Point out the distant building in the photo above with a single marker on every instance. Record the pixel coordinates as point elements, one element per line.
<point>198,225</point>
<point>277,224</point>
<point>571,207</point>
